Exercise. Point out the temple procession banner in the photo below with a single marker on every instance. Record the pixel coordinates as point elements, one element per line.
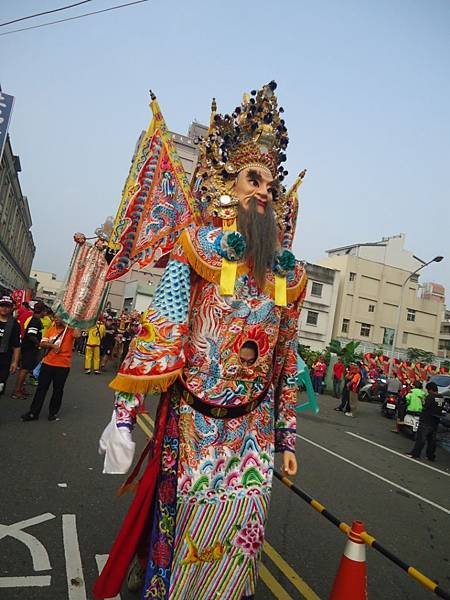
<point>84,292</point>
<point>156,204</point>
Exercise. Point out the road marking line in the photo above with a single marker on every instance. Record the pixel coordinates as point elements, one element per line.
<point>39,555</point>
<point>279,592</point>
<point>101,559</point>
<point>74,568</point>
<point>33,581</point>
<point>396,485</point>
<point>414,460</point>
<point>34,520</point>
<point>289,573</point>
<point>142,424</point>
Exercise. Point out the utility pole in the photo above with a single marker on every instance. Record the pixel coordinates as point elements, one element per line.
<point>400,308</point>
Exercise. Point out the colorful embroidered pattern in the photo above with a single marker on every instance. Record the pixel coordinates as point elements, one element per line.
<point>224,481</point>
<point>160,563</point>
<point>216,474</point>
<point>156,356</point>
<point>148,224</point>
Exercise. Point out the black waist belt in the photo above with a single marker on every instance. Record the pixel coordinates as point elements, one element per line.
<point>223,412</point>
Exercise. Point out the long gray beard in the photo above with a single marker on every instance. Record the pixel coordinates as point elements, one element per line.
<point>261,236</point>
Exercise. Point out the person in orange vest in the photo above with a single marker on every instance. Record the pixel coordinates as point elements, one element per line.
<point>353,386</point>
<point>58,344</point>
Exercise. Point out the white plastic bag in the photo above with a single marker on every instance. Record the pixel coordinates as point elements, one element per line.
<point>118,447</point>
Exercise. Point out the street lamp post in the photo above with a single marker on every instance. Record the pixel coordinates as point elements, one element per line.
<point>400,308</point>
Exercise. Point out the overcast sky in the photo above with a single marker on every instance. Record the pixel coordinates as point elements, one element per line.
<point>365,86</point>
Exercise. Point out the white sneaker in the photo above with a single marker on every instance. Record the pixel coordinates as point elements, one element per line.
<point>349,414</point>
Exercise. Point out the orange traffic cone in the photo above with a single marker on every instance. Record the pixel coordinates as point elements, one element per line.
<point>351,579</point>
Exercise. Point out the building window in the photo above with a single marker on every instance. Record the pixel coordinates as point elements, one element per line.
<point>371,307</point>
<point>312,317</point>
<point>365,330</point>
<point>316,289</point>
<point>345,325</point>
<point>411,315</point>
<point>352,276</point>
<point>388,337</point>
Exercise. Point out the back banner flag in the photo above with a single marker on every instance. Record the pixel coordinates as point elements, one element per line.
<point>156,205</point>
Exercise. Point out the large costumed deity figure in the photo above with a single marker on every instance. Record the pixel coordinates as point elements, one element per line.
<point>219,342</point>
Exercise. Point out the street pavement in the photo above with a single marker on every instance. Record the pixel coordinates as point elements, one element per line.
<point>59,514</point>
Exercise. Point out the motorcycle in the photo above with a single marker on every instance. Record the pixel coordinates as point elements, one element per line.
<point>410,423</point>
<point>373,391</point>
<point>389,406</point>
<point>411,419</point>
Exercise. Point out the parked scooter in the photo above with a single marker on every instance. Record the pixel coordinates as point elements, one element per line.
<point>410,423</point>
<point>374,390</point>
<point>389,406</point>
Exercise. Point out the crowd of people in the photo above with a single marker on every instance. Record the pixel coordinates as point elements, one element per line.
<point>411,397</point>
<point>37,347</point>
<point>107,341</point>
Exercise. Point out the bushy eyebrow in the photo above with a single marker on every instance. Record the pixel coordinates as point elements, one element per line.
<point>252,174</point>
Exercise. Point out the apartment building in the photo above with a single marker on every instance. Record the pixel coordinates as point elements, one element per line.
<point>444,336</point>
<point>370,293</point>
<point>315,327</point>
<point>48,286</point>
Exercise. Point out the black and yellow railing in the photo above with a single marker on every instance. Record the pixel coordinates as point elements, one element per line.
<point>367,538</point>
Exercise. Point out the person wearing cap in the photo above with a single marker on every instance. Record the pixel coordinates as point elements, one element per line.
<point>29,356</point>
<point>9,341</point>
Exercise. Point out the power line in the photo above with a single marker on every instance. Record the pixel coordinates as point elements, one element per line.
<point>73,18</point>
<point>47,12</point>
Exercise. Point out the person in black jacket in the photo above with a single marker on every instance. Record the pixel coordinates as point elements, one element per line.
<point>428,423</point>
<point>9,341</point>
<point>29,350</point>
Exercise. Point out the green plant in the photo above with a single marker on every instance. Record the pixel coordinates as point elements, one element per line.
<point>347,353</point>
<point>416,354</point>
<point>310,356</point>
<point>380,351</point>
<point>445,363</point>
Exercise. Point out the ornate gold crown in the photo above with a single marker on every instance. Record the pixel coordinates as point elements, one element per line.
<point>253,135</point>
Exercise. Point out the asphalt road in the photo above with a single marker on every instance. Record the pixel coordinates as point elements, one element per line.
<point>51,477</point>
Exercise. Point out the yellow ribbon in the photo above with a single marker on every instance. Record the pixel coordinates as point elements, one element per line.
<point>280,291</point>
<point>228,270</point>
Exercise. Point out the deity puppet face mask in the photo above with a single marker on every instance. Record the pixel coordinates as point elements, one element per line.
<point>258,183</point>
